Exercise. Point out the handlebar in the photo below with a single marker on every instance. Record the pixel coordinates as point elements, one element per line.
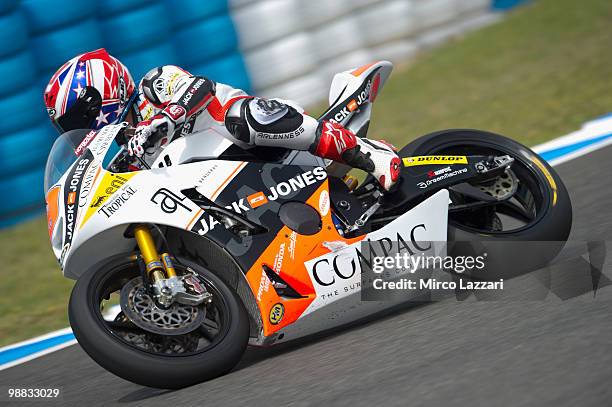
<point>123,160</point>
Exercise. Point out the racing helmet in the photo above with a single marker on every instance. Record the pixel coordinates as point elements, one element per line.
<point>90,91</point>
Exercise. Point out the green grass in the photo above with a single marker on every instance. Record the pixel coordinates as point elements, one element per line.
<point>34,293</point>
<point>540,73</point>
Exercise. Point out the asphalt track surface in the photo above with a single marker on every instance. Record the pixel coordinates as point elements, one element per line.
<point>449,353</point>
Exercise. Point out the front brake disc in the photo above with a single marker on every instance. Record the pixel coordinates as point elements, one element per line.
<point>139,307</point>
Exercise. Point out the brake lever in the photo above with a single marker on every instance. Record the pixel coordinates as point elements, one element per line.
<point>143,163</point>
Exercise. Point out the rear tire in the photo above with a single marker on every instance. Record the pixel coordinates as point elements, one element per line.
<point>147,368</point>
<point>513,252</point>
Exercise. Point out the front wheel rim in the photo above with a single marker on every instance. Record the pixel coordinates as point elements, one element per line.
<point>210,333</point>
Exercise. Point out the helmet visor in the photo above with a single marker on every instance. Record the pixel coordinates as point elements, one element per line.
<point>82,113</point>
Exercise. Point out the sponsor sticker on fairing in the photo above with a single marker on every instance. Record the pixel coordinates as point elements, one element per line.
<point>434,159</point>
<point>441,171</point>
<point>103,139</point>
<point>264,285</point>
<point>360,98</point>
<point>117,201</point>
<point>443,175</point>
<point>278,259</point>
<point>257,199</point>
<point>207,222</point>
<point>108,186</point>
<point>72,189</point>
<point>338,273</point>
<point>169,201</point>
<point>207,174</point>
<point>324,203</point>
<point>88,138</point>
<point>276,313</point>
<point>292,244</point>
<point>88,180</point>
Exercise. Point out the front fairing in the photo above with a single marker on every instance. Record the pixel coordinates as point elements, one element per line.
<point>74,163</point>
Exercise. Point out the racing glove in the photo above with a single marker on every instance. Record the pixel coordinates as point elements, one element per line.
<point>160,126</point>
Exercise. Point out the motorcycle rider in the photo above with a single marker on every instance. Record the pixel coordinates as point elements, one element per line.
<point>95,89</point>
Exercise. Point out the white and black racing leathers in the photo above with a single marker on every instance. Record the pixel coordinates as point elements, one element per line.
<point>183,104</point>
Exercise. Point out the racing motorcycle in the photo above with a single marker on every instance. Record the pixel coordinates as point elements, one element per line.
<point>182,264</point>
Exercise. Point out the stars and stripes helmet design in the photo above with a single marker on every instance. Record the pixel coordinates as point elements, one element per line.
<point>89,91</point>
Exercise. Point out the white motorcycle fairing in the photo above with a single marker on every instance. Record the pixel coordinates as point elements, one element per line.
<point>107,204</point>
<point>91,210</point>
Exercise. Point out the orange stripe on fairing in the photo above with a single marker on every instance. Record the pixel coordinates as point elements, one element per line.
<point>362,69</point>
<point>192,221</point>
<point>96,176</point>
<point>52,208</point>
<point>291,270</point>
<point>228,179</point>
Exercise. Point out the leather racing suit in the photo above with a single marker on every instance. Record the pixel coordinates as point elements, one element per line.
<point>185,103</point>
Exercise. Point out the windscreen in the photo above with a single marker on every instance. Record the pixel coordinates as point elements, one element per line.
<point>63,155</point>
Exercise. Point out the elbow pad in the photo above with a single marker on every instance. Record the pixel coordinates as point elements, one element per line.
<point>236,121</point>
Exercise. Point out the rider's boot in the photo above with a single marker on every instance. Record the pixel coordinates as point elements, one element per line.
<point>378,158</point>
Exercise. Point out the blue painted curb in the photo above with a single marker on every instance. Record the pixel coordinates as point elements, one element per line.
<point>10,355</point>
<point>566,150</point>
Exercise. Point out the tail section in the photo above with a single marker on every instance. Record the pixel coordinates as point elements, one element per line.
<point>352,93</point>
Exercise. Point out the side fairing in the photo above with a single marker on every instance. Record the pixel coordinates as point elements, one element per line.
<point>154,196</point>
<point>334,269</point>
<point>257,192</point>
<point>324,269</point>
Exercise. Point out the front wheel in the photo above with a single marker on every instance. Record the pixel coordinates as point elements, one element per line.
<point>181,346</point>
<point>519,234</point>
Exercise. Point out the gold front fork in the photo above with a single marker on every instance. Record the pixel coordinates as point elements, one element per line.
<point>155,268</point>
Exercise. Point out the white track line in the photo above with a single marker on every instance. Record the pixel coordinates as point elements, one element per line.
<point>38,354</point>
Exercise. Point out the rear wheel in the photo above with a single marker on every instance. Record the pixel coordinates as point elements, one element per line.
<point>519,234</point>
<point>165,348</point>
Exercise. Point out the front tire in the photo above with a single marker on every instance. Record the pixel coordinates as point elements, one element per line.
<point>140,365</point>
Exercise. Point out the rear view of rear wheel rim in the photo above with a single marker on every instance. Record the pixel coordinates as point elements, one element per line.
<point>519,249</point>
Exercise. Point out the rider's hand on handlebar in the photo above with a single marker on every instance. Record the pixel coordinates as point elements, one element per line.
<point>158,126</point>
<point>136,143</point>
<point>161,125</point>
